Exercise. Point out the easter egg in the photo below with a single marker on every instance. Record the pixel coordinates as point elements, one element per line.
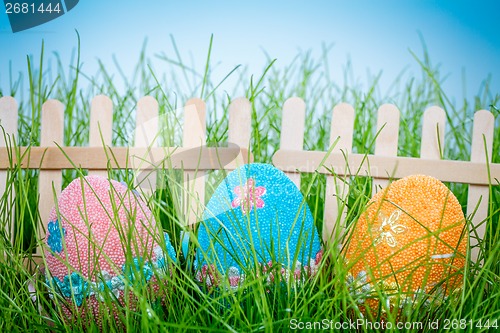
<point>256,218</point>
<point>102,243</point>
<point>409,243</point>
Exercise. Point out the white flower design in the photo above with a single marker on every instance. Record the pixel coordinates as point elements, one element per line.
<point>388,229</point>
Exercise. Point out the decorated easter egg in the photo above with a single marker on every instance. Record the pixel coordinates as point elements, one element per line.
<point>103,243</point>
<point>256,219</point>
<point>409,244</point>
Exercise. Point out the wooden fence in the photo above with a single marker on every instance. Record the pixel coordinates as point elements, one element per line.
<point>384,165</point>
<point>195,158</point>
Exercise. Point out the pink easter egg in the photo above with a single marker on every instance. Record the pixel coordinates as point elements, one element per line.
<point>103,242</point>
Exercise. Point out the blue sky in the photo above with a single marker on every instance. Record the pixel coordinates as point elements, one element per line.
<point>375,35</point>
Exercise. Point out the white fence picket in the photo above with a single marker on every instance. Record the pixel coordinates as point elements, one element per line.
<point>147,133</point>
<point>478,196</point>
<point>49,181</point>
<point>194,136</point>
<point>386,143</point>
<point>433,130</point>
<point>8,120</point>
<point>240,125</point>
<point>101,126</point>
<point>292,129</point>
<point>337,190</point>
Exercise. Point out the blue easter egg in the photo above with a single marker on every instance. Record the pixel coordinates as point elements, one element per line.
<point>257,217</point>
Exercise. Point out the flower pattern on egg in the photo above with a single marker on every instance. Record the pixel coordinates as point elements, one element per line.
<point>212,278</point>
<point>358,286</point>
<point>138,271</point>
<point>55,236</point>
<point>209,275</point>
<point>113,284</point>
<point>73,286</point>
<point>387,230</point>
<point>248,195</point>
<point>234,277</point>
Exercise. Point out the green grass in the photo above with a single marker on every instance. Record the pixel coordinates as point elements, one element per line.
<point>255,307</point>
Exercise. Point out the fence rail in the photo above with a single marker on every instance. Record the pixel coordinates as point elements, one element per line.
<point>194,158</point>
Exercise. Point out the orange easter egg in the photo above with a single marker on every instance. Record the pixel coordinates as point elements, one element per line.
<point>410,241</point>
